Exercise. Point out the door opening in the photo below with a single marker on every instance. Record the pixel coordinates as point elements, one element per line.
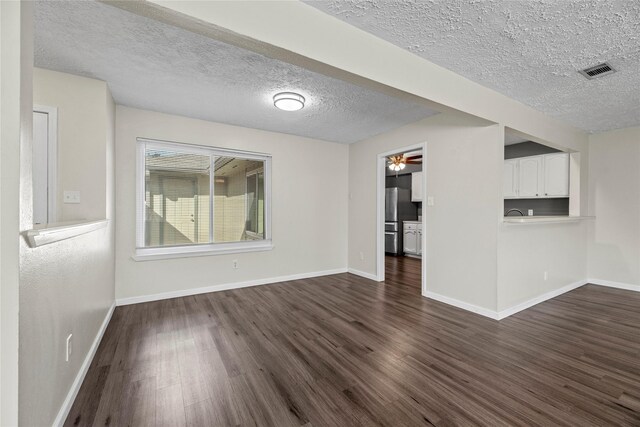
<point>401,229</point>
<point>44,164</point>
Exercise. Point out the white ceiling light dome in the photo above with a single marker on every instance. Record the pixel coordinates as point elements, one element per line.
<point>288,101</point>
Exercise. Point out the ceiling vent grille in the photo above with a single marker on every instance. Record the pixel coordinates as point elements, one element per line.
<point>597,71</point>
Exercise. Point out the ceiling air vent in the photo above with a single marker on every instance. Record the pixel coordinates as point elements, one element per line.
<point>599,70</point>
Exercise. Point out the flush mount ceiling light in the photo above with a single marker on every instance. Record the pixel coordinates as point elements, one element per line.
<point>288,101</point>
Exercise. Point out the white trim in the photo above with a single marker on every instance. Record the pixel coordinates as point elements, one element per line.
<point>364,274</point>
<point>533,301</point>
<point>75,387</point>
<point>225,287</point>
<point>61,231</point>
<point>617,285</point>
<point>204,149</point>
<point>140,193</point>
<point>168,252</point>
<point>463,305</point>
<point>52,158</point>
<point>537,300</point>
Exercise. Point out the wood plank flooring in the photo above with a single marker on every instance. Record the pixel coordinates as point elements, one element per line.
<point>345,351</point>
<point>404,272</point>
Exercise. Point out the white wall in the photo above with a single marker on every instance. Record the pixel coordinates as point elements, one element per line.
<point>614,199</point>
<point>68,286</point>
<point>463,167</point>
<point>471,256</point>
<point>309,206</point>
<point>526,251</point>
<point>82,126</point>
<point>328,45</point>
<point>16,58</point>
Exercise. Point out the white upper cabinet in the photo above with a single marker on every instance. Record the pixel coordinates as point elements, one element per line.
<point>556,175</point>
<point>530,176</point>
<point>536,176</point>
<point>510,179</point>
<point>416,187</point>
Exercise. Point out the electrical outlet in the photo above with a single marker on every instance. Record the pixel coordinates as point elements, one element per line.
<point>235,264</point>
<point>69,346</point>
<point>361,255</point>
<point>530,212</point>
<point>72,197</point>
<point>546,275</point>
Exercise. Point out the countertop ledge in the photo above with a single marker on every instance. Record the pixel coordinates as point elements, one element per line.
<point>543,219</point>
<point>55,232</point>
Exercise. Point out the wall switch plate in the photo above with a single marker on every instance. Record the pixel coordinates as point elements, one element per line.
<point>69,347</point>
<point>530,212</point>
<point>235,264</point>
<point>71,197</point>
<point>431,201</point>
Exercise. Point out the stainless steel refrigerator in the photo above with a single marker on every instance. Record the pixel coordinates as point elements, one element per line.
<point>397,208</point>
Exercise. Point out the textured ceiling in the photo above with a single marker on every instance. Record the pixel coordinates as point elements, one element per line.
<point>528,50</point>
<point>155,66</point>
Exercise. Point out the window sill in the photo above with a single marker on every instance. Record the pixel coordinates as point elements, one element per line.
<point>152,254</point>
<point>55,232</point>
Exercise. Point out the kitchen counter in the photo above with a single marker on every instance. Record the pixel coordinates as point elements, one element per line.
<point>412,222</point>
<point>543,219</point>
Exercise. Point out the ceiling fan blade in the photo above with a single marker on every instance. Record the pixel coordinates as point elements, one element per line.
<point>414,162</point>
<point>418,156</point>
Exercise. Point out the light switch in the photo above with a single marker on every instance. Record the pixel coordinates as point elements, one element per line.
<point>71,196</point>
<point>431,201</point>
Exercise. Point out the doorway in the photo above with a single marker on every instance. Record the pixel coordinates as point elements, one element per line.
<point>401,227</point>
<point>44,163</point>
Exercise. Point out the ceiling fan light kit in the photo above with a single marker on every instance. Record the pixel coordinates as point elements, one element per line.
<point>400,161</point>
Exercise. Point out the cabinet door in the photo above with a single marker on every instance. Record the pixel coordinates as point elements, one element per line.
<point>419,240</point>
<point>530,177</point>
<point>409,241</point>
<point>556,175</point>
<point>510,178</point>
<point>416,187</point>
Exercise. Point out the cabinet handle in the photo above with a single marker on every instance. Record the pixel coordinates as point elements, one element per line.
<point>536,194</point>
<point>545,194</point>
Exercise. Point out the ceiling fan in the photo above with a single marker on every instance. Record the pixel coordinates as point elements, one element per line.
<point>400,161</point>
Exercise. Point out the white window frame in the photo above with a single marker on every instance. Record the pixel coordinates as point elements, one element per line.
<point>246,207</point>
<point>143,253</point>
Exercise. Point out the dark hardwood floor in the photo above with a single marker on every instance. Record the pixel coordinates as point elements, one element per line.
<point>345,351</point>
<point>404,272</point>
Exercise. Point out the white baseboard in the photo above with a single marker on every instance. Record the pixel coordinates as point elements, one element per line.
<point>499,315</point>
<point>363,274</point>
<point>224,287</point>
<point>75,387</point>
<point>463,305</point>
<point>617,285</point>
<point>537,300</point>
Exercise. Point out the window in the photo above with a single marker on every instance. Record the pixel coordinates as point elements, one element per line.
<point>200,200</point>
